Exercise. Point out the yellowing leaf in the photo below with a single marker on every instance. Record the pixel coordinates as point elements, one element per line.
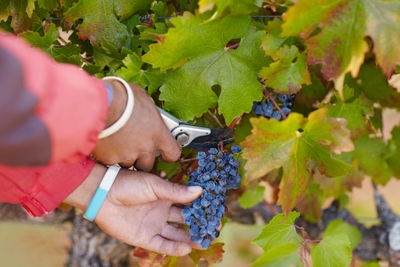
<point>212,255</point>
<point>340,46</point>
<point>199,54</point>
<point>344,24</point>
<point>288,73</point>
<point>20,12</point>
<point>383,26</point>
<point>296,144</point>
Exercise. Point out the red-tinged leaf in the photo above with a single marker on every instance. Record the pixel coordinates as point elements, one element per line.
<point>339,185</point>
<point>340,46</point>
<point>383,26</point>
<point>100,21</point>
<point>296,144</point>
<point>20,12</point>
<point>212,255</point>
<point>149,258</point>
<point>310,204</point>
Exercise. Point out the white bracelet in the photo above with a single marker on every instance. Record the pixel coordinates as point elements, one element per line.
<point>101,193</point>
<point>127,112</point>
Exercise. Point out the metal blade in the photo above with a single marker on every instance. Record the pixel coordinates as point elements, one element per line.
<point>213,139</point>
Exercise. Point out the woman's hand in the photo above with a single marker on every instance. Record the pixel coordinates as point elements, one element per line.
<point>138,208</point>
<point>142,136</point>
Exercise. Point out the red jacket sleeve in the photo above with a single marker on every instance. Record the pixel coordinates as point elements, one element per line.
<point>50,115</point>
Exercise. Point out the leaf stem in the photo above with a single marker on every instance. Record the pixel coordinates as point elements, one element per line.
<point>234,46</point>
<point>215,119</point>
<point>235,121</point>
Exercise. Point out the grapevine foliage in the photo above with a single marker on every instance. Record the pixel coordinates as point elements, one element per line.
<point>305,88</point>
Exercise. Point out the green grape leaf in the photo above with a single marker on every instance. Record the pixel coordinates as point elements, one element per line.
<point>280,230</point>
<point>341,21</point>
<point>252,197</point>
<point>235,7</point>
<point>212,255</point>
<point>374,84</point>
<point>282,255</point>
<point>288,73</point>
<point>48,4</point>
<point>371,264</point>
<point>355,112</point>
<point>44,42</point>
<point>109,55</point>
<point>199,52</point>
<point>394,145</point>
<point>333,251</point>
<point>383,26</point>
<point>372,154</point>
<point>272,42</point>
<point>296,144</point>
<point>311,93</point>
<point>133,72</point>
<point>68,54</point>
<point>100,21</point>
<point>338,226</point>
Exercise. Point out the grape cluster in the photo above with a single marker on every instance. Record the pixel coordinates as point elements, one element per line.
<point>267,108</point>
<point>217,172</point>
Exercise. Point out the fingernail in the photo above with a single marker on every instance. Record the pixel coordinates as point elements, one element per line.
<point>195,189</point>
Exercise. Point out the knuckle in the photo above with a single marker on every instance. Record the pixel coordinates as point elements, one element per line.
<point>176,189</point>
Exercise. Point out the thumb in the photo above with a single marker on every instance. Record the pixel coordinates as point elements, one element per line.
<point>175,192</point>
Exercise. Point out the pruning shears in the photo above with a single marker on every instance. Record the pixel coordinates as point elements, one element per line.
<point>196,137</point>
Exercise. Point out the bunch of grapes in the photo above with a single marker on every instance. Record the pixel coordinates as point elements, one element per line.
<point>217,172</point>
<point>267,108</point>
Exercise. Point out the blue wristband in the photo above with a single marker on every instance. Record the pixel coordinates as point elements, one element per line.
<point>110,94</point>
<point>101,193</point>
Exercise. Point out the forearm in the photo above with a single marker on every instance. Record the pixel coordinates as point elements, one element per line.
<point>81,196</point>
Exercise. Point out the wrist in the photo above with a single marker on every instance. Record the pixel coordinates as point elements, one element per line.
<point>81,197</point>
<point>118,103</point>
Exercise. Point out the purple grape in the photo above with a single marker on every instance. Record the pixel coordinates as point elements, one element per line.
<point>217,172</point>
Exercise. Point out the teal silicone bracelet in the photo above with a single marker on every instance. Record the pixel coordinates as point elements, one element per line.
<point>101,193</point>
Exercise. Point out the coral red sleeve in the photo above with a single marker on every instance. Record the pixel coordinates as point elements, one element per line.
<point>71,104</point>
<point>51,115</point>
<point>41,189</point>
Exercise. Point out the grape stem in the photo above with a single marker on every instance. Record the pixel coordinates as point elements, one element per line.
<point>269,95</point>
<point>187,160</point>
